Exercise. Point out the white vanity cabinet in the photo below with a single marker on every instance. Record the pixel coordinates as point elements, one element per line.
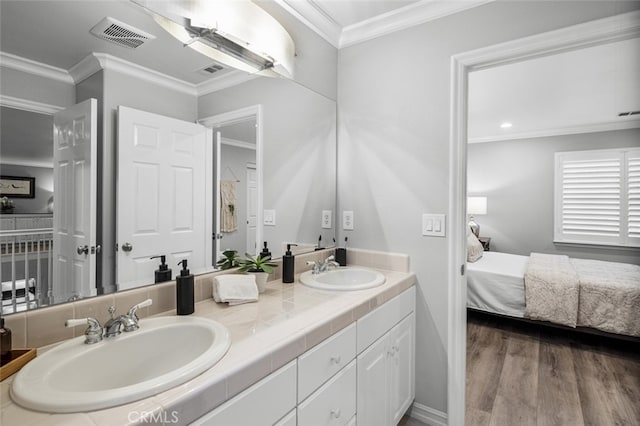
<point>363,374</point>
<point>265,403</point>
<point>386,367</point>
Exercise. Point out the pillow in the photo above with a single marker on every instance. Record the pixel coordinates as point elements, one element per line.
<point>474,248</point>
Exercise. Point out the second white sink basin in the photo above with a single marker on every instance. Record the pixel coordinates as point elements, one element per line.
<point>347,278</point>
<point>163,353</point>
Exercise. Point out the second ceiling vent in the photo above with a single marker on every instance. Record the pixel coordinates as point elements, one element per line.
<point>120,33</point>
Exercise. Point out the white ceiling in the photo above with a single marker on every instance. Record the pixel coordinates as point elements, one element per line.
<point>573,92</point>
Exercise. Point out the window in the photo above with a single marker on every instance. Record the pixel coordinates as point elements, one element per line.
<point>597,197</point>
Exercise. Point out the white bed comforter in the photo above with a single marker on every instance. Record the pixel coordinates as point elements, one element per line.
<point>589,293</point>
<point>551,289</point>
<point>609,296</point>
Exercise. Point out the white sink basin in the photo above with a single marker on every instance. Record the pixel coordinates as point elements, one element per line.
<point>346,279</point>
<point>164,352</point>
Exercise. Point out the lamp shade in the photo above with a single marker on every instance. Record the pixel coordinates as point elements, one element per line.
<point>476,205</point>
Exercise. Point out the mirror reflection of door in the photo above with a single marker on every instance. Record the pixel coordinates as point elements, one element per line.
<point>32,234</point>
<point>237,207</point>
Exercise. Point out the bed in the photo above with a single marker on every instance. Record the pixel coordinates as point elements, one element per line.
<point>578,293</point>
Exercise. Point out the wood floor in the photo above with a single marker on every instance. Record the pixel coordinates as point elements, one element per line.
<point>521,374</point>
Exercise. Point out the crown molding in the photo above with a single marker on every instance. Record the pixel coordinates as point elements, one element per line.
<point>313,16</point>
<point>561,131</point>
<point>96,61</point>
<point>404,17</point>
<point>224,81</point>
<point>27,105</point>
<point>26,162</point>
<point>29,66</point>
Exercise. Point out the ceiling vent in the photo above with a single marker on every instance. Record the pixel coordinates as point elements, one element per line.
<point>211,69</point>
<point>120,33</point>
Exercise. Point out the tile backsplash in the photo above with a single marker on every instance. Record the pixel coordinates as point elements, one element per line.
<point>45,326</point>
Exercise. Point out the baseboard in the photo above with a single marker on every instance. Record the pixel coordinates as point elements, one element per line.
<point>428,415</point>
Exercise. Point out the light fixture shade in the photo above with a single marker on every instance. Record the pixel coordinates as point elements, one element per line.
<point>237,33</point>
<point>476,205</point>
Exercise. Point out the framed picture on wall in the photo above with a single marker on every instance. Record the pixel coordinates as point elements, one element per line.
<point>17,187</point>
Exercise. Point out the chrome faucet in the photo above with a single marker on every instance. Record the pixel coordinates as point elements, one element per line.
<point>319,267</point>
<point>113,327</point>
<point>128,322</point>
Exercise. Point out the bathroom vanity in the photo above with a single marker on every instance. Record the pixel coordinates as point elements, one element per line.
<point>298,356</point>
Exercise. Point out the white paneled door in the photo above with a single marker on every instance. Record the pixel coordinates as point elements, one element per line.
<point>74,219</point>
<point>164,200</point>
<point>252,208</point>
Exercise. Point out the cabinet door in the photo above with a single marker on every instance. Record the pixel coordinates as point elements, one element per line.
<point>373,385</point>
<point>402,387</point>
<point>264,403</point>
<point>288,420</point>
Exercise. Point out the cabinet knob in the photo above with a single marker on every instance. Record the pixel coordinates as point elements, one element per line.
<point>335,413</point>
<point>336,359</point>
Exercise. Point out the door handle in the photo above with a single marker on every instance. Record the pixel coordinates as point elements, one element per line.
<point>127,247</point>
<point>83,249</point>
<point>96,249</point>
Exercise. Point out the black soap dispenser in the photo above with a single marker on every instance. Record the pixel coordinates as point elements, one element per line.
<point>184,291</point>
<point>288,265</point>
<point>5,342</point>
<point>265,252</point>
<point>163,273</point>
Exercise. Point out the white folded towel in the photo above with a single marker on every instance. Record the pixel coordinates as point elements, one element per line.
<point>235,289</point>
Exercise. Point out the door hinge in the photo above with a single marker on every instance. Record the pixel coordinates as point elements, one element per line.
<point>462,269</point>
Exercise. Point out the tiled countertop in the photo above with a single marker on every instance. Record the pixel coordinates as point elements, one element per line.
<point>287,320</point>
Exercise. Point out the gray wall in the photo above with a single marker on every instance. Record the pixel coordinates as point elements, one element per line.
<point>517,177</point>
<point>299,154</point>
<point>44,187</point>
<point>393,146</point>
<point>36,88</point>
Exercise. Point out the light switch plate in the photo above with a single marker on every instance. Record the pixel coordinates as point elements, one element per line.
<point>326,219</point>
<point>347,220</point>
<point>433,225</point>
<point>269,217</point>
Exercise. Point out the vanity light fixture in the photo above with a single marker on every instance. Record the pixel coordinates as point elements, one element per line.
<point>506,125</point>
<point>236,33</point>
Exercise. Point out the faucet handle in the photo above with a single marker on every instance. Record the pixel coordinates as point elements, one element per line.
<point>93,333</point>
<point>130,321</point>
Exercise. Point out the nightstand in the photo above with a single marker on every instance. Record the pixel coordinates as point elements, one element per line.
<point>486,243</point>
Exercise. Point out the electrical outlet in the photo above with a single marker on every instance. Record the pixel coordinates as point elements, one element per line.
<point>326,219</point>
<point>269,217</point>
<point>347,220</point>
<point>433,225</point>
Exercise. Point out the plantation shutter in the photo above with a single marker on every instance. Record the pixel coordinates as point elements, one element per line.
<point>633,197</point>
<point>597,197</point>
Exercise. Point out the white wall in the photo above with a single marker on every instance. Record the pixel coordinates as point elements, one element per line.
<point>393,146</point>
<point>33,87</point>
<point>519,216</point>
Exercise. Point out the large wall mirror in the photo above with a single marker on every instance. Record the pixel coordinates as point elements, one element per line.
<point>282,161</point>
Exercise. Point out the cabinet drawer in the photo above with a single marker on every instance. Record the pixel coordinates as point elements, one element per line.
<point>264,403</point>
<point>334,403</point>
<point>377,322</point>
<point>324,360</point>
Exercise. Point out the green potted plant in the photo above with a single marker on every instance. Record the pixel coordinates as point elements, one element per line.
<point>258,265</point>
<point>230,260</point>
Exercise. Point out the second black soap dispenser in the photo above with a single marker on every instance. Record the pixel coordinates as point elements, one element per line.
<point>288,265</point>
<point>265,252</point>
<point>184,291</point>
<point>163,273</point>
